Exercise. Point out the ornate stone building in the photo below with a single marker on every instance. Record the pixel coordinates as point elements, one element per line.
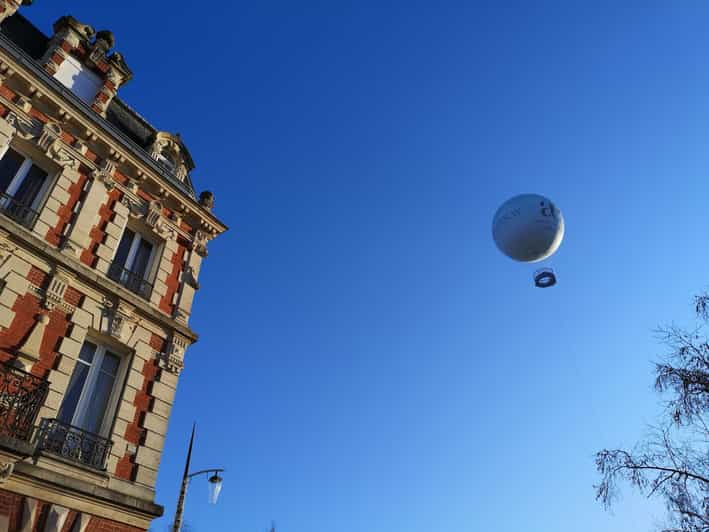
<point>101,241</point>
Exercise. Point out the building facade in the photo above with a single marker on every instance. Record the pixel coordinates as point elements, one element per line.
<point>101,241</point>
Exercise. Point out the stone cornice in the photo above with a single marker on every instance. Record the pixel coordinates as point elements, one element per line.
<point>133,509</point>
<point>98,129</point>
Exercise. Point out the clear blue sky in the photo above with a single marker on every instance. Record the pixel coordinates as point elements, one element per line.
<point>369,361</point>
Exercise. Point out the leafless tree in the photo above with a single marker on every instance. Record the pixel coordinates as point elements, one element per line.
<point>672,463</point>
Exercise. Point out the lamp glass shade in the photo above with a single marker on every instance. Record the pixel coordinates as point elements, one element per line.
<point>215,487</point>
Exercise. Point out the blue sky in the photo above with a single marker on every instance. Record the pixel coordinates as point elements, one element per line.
<point>369,361</point>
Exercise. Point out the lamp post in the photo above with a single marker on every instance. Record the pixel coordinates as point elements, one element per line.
<point>215,485</point>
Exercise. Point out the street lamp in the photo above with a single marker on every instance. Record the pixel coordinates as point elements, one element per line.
<point>215,485</point>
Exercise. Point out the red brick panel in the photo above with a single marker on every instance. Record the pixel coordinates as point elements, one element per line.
<point>173,279</point>
<point>97,524</point>
<point>11,506</point>
<point>7,93</point>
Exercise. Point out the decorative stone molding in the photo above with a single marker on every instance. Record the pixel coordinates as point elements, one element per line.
<point>169,150</point>
<point>7,248</point>
<point>152,217</point>
<point>206,200</point>
<point>51,132</point>
<point>47,137</point>
<point>25,127</point>
<point>189,277</point>
<point>199,243</point>
<point>151,213</point>
<point>172,360</point>
<point>104,173</point>
<point>54,294</point>
<point>121,320</point>
<point>6,469</point>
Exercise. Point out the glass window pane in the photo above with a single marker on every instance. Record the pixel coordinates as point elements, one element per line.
<point>9,165</point>
<point>97,402</point>
<point>30,186</point>
<point>110,364</point>
<point>124,248</point>
<point>73,393</point>
<point>142,257</point>
<point>87,352</point>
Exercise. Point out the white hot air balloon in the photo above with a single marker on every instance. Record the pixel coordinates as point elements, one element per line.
<point>529,228</point>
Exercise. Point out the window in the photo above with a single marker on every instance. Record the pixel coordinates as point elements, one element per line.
<point>82,81</point>
<point>167,161</point>
<point>90,393</point>
<point>23,185</point>
<point>132,263</point>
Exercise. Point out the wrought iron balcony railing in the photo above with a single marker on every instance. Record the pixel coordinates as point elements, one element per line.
<point>134,283</point>
<point>18,211</point>
<point>73,443</point>
<point>21,397</point>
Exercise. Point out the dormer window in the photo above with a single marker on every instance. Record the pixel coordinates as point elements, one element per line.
<point>81,80</point>
<point>166,160</point>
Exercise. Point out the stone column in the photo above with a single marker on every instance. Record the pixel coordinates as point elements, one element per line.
<point>56,518</point>
<point>29,514</point>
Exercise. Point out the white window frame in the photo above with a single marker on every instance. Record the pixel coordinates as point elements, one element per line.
<point>90,384</point>
<point>133,251</point>
<point>20,176</point>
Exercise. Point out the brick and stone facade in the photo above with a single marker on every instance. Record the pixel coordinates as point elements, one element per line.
<point>101,242</point>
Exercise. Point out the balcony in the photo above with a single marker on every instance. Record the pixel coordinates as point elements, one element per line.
<point>133,282</point>
<point>21,397</point>
<point>73,444</point>
<point>17,211</point>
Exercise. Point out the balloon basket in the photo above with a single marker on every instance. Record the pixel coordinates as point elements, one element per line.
<point>544,278</point>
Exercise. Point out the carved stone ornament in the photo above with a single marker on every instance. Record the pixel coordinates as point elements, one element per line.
<point>9,7</point>
<point>172,154</point>
<point>173,359</point>
<point>26,128</point>
<point>50,134</point>
<point>47,136</point>
<point>105,173</point>
<point>120,320</point>
<point>6,469</point>
<point>54,294</point>
<point>137,208</point>
<point>189,278</point>
<point>206,200</point>
<point>199,243</point>
<point>49,141</point>
<point>6,248</point>
<point>152,217</point>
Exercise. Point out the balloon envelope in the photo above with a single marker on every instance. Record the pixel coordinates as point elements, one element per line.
<point>528,228</point>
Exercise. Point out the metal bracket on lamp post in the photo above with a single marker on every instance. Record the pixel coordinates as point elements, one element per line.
<point>214,479</point>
